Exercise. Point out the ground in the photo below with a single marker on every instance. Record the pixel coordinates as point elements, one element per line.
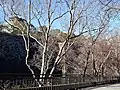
<point>107,87</point>
<point>110,87</point>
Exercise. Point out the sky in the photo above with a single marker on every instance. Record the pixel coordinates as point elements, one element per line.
<point>113,24</point>
<point>1,16</point>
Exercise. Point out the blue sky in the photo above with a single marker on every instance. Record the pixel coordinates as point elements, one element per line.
<point>34,21</point>
<point>114,22</point>
<point>1,16</point>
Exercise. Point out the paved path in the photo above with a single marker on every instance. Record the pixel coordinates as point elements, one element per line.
<point>110,87</point>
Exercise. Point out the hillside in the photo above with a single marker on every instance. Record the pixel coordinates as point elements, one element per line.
<point>13,53</point>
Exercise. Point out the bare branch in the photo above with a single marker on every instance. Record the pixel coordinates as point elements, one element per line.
<point>36,40</point>
<point>59,17</point>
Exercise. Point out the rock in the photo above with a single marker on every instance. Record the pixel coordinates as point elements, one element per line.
<point>13,53</point>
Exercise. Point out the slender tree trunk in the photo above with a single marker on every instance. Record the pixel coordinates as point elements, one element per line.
<point>27,42</point>
<point>95,73</point>
<point>86,65</point>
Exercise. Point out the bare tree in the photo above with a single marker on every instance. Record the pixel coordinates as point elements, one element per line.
<point>75,16</point>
